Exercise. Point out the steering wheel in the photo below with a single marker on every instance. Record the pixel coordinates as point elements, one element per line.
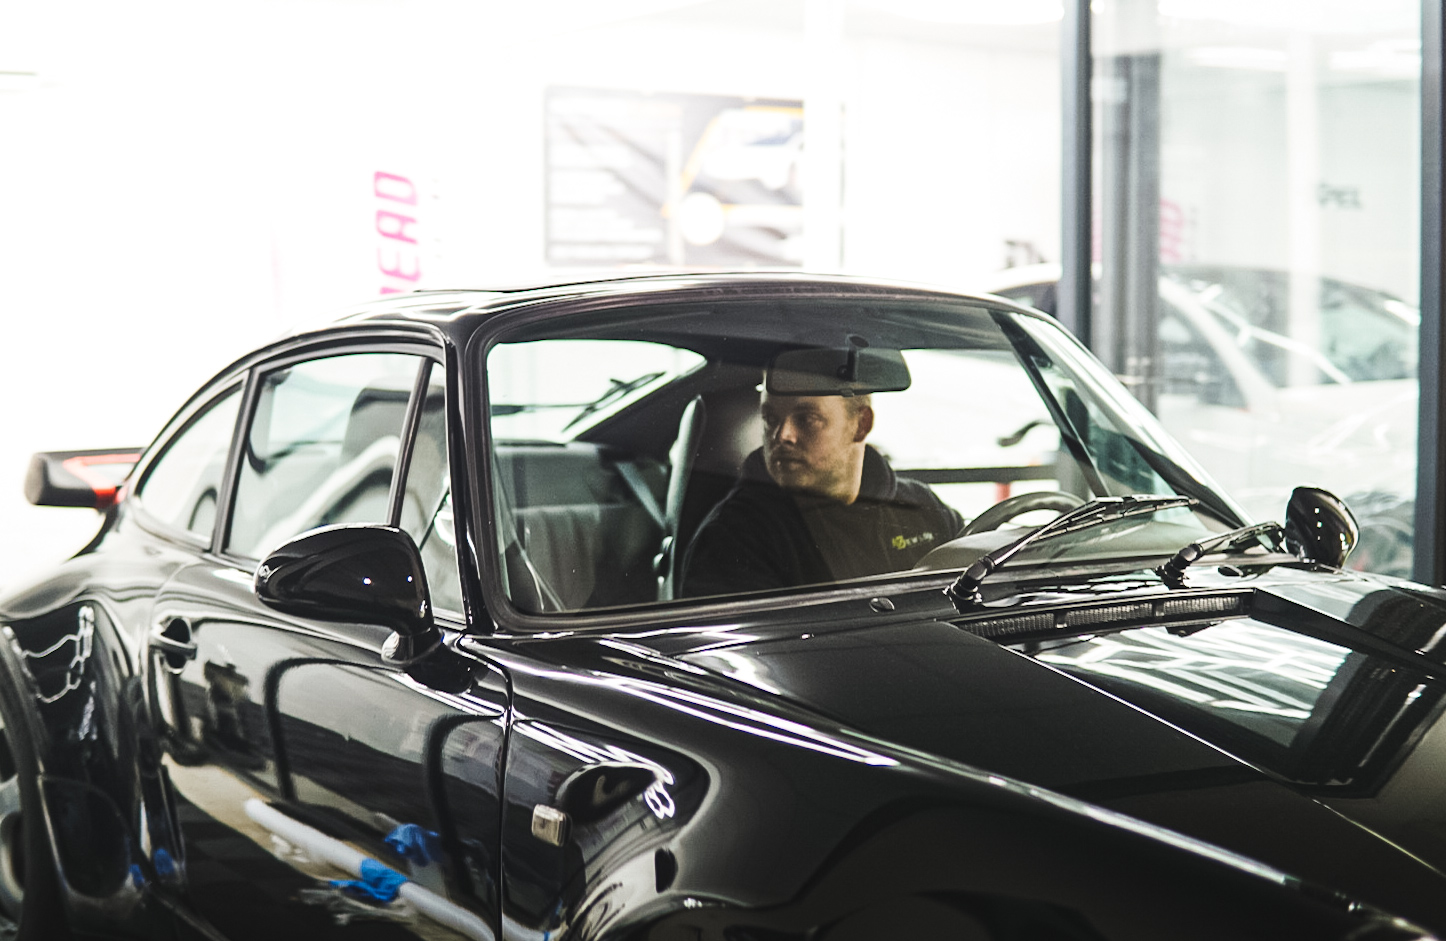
<point>1018,505</point>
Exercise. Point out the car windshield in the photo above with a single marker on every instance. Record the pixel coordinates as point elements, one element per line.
<point>671,452</point>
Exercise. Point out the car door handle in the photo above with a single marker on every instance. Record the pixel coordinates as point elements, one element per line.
<point>173,641</point>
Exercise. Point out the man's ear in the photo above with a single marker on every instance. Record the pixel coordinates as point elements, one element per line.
<point>866,424</point>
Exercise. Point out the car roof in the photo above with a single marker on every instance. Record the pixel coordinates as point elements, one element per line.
<point>459,307</point>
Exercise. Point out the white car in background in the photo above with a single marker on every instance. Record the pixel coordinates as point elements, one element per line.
<point>1265,411</point>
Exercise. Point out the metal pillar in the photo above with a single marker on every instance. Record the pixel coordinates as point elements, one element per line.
<point>1075,292</point>
<point>1126,325</point>
<point>1430,554</point>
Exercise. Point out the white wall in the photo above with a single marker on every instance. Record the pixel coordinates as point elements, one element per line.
<point>1226,164</point>
<point>182,181</point>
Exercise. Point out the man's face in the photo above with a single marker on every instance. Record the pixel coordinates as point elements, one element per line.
<point>814,443</point>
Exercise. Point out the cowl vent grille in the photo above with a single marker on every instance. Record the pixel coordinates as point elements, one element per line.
<point>1193,611</point>
<point>1108,614</point>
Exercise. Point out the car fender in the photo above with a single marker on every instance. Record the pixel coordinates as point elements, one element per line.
<point>772,821</point>
<point>80,701</point>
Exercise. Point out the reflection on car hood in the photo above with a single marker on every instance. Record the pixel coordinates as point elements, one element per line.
<point>1204,733</point>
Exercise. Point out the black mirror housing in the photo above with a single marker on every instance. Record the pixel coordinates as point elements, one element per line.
<point>853,370</point>
<point>1319,527</point>
<point>364,573</point>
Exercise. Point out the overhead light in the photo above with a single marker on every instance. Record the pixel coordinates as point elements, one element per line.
<point>973,12</point>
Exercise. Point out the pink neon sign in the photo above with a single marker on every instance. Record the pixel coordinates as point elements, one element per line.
<point>398,259</point>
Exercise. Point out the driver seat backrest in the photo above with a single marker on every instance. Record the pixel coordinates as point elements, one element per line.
<point>680,460</point>
<point>732,432</point>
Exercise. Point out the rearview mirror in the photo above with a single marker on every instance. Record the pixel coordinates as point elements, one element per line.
<point>364,573</point>
<point>1319,527</point>
<point>852,370</point>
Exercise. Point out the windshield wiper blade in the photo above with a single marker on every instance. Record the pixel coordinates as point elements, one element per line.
<point>616,390</point>
<point>1172,573</point>
<point>965,590</point>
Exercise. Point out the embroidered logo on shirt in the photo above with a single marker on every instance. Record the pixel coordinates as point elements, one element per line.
<point>904,542</point>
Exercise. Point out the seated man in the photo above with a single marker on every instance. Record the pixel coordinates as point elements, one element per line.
<point>814,505</point>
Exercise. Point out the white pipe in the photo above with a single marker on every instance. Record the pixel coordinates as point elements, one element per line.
<point>320,846</point>
<point>446,913</point>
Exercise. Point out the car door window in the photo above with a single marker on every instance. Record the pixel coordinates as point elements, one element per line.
<point>321,447</point>
<point>427,499</point>
<point>183,486</point>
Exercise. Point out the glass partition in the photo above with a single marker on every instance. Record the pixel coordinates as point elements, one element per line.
<point>1257,193</point>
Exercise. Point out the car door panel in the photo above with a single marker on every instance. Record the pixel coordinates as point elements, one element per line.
<point>289,725</point>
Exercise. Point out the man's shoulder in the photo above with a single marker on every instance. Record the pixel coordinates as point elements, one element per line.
<point>750,497</point>
<point>921,496</point>
<point>753,493</point>
<point>910,490</point>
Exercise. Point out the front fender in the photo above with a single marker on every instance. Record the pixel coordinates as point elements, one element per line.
<point>783,824</point>
<point>81,705</point>
<point>1017,866</point>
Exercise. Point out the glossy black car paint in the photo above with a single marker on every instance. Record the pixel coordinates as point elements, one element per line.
<point>848,763</point>
<point>358,572</point>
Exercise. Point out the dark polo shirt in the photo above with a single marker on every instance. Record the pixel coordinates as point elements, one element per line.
<point>761,536</point>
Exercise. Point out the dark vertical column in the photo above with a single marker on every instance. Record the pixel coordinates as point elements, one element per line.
<point>1076,67</point>
<point>1430,555</point>
<point>1126,321</point>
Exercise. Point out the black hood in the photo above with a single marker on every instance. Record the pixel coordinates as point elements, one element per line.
<point>1300,730</point>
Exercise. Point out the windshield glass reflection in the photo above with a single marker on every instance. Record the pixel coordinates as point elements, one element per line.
<point>702,450</point>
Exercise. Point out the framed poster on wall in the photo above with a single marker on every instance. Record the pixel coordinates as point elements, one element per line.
<point>673,179</point>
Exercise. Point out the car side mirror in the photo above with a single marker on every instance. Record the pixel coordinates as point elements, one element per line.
<point>1319,527</point>
<point>363,573</point>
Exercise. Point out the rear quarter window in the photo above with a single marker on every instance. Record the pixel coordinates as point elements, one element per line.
<point>183,486</point>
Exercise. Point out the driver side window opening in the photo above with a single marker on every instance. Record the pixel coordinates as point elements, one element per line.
<point>321,447</point>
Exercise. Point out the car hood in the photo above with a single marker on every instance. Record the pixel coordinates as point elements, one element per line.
<point>1300,729</point>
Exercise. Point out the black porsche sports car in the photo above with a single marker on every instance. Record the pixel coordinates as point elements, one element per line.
<point>444,621</point>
